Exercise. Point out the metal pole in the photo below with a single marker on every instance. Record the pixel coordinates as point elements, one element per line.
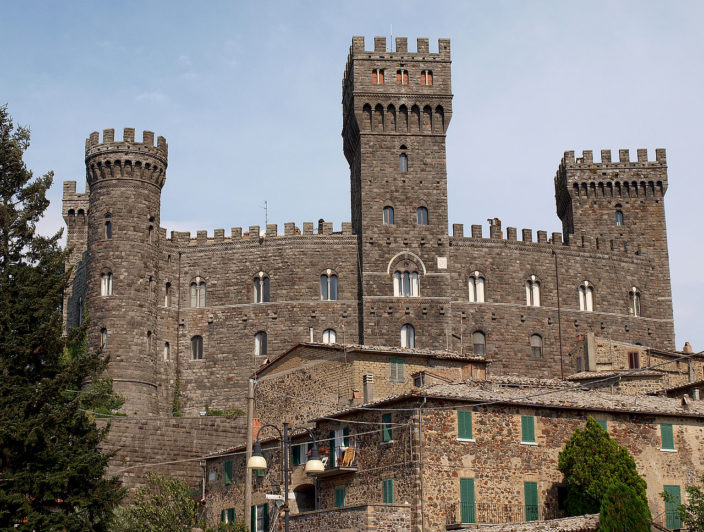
<point>248,471</point>
<point>284,464</point>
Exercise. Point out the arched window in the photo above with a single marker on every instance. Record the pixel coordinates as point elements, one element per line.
<point>533,292</point>
<point>106,284</point>
<point>536,345</point>
<point>408,336</point>
<point>403,163</point>
<point>197,347</point>
<point>402,77</point>
<point>198,293</point>
<point>388,215</point>
<point>406,284</point>
<point>422,215</point>
<point>378,76</point>
<point>426,77</point>
<point>329,336</point>
<point>103,338</point>
<point>108,226</point>
<point>328,286</point>
<point>260,343</point>
<point>149,341</point>
<point>476,288</point>
<point>261,288</point>
<point>167,295</point>
<point>167,350</point>
<point>479,343</point>
<point>586,296</point>
<point>634,302</point>
<point>618,215</point>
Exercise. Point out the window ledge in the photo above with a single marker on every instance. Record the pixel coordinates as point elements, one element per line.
<point>668,450</point>
<point>472,440</point>
<point>530,443</point>
<point>390,442</point>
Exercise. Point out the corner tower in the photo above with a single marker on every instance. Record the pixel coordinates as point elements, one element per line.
<point>124,181</point>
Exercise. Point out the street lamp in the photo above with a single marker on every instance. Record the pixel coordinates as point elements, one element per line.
<point>257,460</point>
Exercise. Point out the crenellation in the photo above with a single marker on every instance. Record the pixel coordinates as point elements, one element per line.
<point>327,228</point>
<point>108,135</point>
<point>128,135</point>
<point>511,234</point>
<point>527,235</point>
<point>381,50</point>
<point>556,239</point>
<point>148,138</point>
<point>290,229</point>
<point>476,231</point>
<point>236,233</point>
<point>347,228</point>
<point>380,44</point>
<point>254,233</point>
<point>605,156</point>
<point>542,237</point>
<point>624,156</point>
<point>271,230</point>
<point>402,45</point>
<point>307,228</point>
<point>495,232</point>
<point>457,230</point>
<point>219,235</point>
<point>202,237</point>
<point>422,45</point>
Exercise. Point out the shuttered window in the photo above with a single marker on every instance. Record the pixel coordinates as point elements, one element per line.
<point>386,431</point>
<point>527,429</point>
<point>464,425</point>
<point>228,472</point>
<point>339,497</point>
<point>388,490</point>
<point>397,372</point>
<point>672,516</point>
<point>668,438</point>
<point>602,422</point>
<point>530,492</point>
<point>296,454</point>
<point>468,510</point>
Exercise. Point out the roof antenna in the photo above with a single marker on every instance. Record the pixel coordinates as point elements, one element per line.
<point>266,214</point>
<point>391,43</point>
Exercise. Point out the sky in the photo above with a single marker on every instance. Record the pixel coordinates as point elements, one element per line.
<point>248,96</point>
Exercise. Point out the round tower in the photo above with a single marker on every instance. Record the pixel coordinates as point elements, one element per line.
<point>124,181</point>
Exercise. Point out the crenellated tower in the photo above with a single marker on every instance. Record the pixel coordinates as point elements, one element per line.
<point>125,179</point>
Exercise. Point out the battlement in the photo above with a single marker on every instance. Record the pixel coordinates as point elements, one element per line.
<point>75,204</point>
<point>109,144</point>
<point>254,233</point>
<point>587,159</point>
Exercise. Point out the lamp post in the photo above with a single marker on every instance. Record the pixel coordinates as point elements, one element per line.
<point>257,460</point>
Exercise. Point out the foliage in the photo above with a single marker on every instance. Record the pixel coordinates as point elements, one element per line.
<point>165,504</point>
<point>622,509</point>
<point>52,473</point>
<point>692,513</point>
<point>592,461</point>
<point>238,526</point>
<point>229,413</point>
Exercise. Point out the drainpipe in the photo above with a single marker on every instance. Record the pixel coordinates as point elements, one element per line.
<point>420,459</point>
<point>248,471</point>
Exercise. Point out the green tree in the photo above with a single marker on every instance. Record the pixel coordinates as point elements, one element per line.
<point>622,510</point>
<point>692,513</point>
<point>592,462</point>
<point>52,473</point>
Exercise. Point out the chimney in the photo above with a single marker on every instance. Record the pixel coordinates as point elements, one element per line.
<point>368,381</point>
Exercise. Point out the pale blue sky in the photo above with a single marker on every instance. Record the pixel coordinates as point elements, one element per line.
<point>248,96</point>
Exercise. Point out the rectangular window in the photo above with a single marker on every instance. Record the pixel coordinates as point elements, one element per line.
<point>339,497</point>
<point>633,360</point>
<point>228,472</point>
<point>388,490</point>
<point>464,425</point>
<point>296,454</point>
<point>260,518</point>
<point>468,508</point>
<point>386,431</point>
<point>228,516</point>
<point>527,429</point>
<point>672,516</point>
<point>530,493</point>
<point>396,365</point>
<point>668,438</point>
<point>602,422</point>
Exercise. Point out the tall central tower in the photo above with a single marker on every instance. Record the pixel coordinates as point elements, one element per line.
<point>396,108</point>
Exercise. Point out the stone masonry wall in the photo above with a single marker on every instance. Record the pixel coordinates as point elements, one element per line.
<point>373,517</point>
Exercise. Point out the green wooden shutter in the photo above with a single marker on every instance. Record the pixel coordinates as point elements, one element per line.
<point>530,493</point>
<point>468,510</point>
<point>528,429</point>
<point>231,515</point>
<point>672,516</point>
<point>388,489</point>
<point>332,462</point>
<point>253,520</point>
<point>222,516</point>
<point>296,454</point>
<point>386,432</point>
<point>339,497</point>
<point>228,472</point>
<point>464,424</point>
<point>346,436</point>
<point>265,509</point>
<point>602,422</point>
<point>668,438</point>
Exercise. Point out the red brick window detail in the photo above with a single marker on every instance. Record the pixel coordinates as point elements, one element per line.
<point>426,77</point>
<point>402,77</point>
<point>633,360</point>
<point>378,76</point>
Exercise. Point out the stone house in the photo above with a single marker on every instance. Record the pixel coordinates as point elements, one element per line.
<point>481,451</point>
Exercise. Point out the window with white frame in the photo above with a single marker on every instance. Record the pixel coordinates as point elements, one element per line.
<point>406,284</point>
<point>476,287</point>
<point>402,77</point>
<point>198,293</point>
<point>260,341</point>
<point>378,76</point>
<point>586,296</point>
<point>634,302</point>
<point>479,342</point>
<point>329,336</point>
<point>328,286</point>
<point>197,347</point>
<point>261,288</point>
<point>536,345</point>
<point>106,284</point>
<point>408,336</point>
<point>426,77</point>
<point>388,215</point>
<point>533,291</point>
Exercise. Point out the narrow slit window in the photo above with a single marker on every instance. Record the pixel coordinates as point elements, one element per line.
<point>197,348</point>
<point>260,343</point>
<point>388,215</point>
<point>422,215</point>
<point>403,163</point>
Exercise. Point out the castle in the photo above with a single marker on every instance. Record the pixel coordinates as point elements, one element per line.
<point>187,320</point>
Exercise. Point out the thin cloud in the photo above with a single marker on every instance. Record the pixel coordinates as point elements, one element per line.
<point>152,96</point>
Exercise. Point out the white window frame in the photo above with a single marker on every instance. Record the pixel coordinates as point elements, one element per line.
<point>198,293</point>
<point>329,290</point>
<point>476,287</point>
<point>634,302</point>
<point>262,288</point>
<point>533,291</point>
<point>106,284</point>
<point>261,341</point>
<point>408,336</point>
<point>586,297</point>
<point>329,336</point>
<point>406,284</point>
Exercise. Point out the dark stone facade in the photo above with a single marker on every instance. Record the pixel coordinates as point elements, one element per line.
<point>381,122</point>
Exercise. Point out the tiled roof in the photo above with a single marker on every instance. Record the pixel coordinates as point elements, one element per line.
<point>681,387</point>
<point>627,374</point>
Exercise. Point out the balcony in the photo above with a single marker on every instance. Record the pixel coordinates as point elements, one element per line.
<point>346,464</point>
<point>460,514</point>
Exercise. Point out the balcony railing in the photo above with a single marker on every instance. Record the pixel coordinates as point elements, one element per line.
<point>465,513</point>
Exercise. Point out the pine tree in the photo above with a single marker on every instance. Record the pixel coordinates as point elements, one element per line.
<point>623,510</point>
<point>52,473</point>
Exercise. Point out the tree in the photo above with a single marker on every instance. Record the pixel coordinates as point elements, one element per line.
<point>622,509</point>
<point>692,513</point>
<point>51,468</point>
<point>592,462</point>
